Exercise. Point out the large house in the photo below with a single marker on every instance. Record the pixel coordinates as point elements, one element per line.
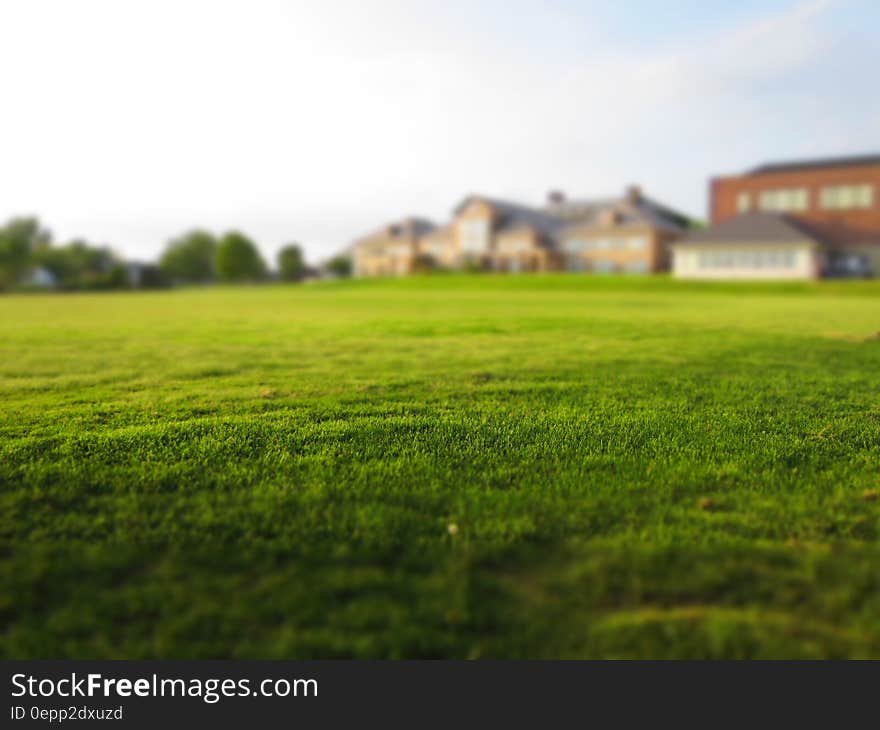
<point>631,233</point>
<point>794,220</point>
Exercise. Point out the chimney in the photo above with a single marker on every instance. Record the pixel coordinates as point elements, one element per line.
<point>634,194</point>
<point>555,197</point>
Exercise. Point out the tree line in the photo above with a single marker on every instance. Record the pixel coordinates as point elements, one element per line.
<point>30,258</point>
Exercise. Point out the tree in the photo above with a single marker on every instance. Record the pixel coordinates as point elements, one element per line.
<point>151,277</point>
<point>79,265</point>
<point>339,266</point>
<point>424,264</point>
<point>238,258</point>
<point>291,266</point>
<point>190,258</point>
<point>20,240</point>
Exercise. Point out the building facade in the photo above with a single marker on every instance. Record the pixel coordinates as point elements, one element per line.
<point>393,250</point>
<point>789,220</point>
<point>754,245</point>
<point>629,234</point>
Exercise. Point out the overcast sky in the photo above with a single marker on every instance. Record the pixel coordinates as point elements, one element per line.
<point>127,122</point>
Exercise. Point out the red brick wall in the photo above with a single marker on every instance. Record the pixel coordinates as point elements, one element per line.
<point>843,226</point>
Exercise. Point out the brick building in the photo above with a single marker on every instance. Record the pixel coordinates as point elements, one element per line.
<point>830,207</point>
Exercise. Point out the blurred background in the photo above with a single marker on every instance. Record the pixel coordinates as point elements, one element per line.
<point>129,125</point>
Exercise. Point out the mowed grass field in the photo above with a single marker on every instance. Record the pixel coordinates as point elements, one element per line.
<point>532,466</point>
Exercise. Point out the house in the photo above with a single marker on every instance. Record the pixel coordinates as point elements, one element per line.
<point>824,212</point>
<point>503,236</point>
<point>630,233</point>
<point>392,250</point>
<point>754,245</point>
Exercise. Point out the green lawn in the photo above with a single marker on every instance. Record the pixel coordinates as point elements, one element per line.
<point>545,466</point>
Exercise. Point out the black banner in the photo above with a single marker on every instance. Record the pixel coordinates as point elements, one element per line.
<point>134,694</point>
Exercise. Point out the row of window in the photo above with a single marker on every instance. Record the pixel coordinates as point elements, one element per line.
<point>747,260</point>
<point>577,245</point>
<point>475,241</point>
<point>516,246</point>
<point>831,197</point>
<point>390,250</point>
<point>841,197</point>
<point>603,266</point>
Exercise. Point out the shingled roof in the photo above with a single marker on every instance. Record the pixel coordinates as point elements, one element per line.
<point>754,227</point>
<point>412,227</point>
<point>551,219</point>
<point>514,215</point>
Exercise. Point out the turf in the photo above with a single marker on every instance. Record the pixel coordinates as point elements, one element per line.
<point>448,466</point>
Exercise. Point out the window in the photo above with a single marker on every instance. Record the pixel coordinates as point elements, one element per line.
<point>743,202</point>
<point>606,267</point>
<point>515,245</point>
<point>843,197</point>
<point>785,199</point>
<point>637,267</point>
<point>475,236</point>
<point>770,259</point>
<point>638,244</point>
<point>576,245</point>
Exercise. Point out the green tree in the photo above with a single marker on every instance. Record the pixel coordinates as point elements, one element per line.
<point>20,240</point>
<point>291,265</point>
<point>79,265</point>
<point>190,258</point>
<point>339,266</point>
<point>238,258</point>
<point>425,264</point>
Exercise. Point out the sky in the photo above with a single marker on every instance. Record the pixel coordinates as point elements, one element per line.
<point>309,121</point>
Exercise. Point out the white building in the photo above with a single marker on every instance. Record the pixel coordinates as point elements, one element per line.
<point>754,245</point>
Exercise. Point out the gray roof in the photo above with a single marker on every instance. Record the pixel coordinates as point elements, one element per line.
<point>514,215</point>
<point>419,226</point>
<point>406,228</point>
<point>643,210</point>
<point>754,227</point>
<point>552,219</point>
<point>794,166</point>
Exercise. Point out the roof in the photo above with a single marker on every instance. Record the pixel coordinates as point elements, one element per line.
<point>551,219</point>
<point>641,210</point>
<point>512,216</point>
<point>418,226</point>
<point>412,227</point>
<point>754,227</point>
<point>795,166</point>
<point>445,230</point>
